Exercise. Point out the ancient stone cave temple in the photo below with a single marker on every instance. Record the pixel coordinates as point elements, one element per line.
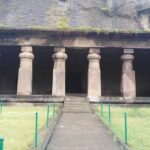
<point>96,49</point>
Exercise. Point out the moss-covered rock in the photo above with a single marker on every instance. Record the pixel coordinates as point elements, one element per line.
<point>92,15</point>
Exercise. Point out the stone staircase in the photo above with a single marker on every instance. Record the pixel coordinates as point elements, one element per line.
<point>77,105</point>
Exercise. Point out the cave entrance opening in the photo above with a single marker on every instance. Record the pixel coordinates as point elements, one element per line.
<point>76,72</point>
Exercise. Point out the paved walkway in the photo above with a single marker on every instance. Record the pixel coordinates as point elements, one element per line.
<point>81,131</point>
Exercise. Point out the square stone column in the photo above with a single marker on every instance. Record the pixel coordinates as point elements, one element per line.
<point>128,83</point>
<point>59,73</point>
<point>94,75</point>
<point>24,86</point>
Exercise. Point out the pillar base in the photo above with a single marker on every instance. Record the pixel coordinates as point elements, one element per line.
<point>129,99</point>
<point>93,99</point>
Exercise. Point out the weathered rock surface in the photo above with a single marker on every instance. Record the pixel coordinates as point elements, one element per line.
<point>142,4</point>
<point>53,14</point>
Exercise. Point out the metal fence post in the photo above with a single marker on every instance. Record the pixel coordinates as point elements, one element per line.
<point>109,113</point>
<point>36,129</point>
<point>101,109</point>
<point>1,143</point>
<point>53,109</point>
<point>125,128</point>
<point>1,105</point>
<point>47,116</point>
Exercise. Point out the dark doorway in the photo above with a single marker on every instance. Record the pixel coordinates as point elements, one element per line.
<point>142,70</point>
<point>42,70</point>
<point>76,71</point>
<point>111,67</point>
<point>9,64</point>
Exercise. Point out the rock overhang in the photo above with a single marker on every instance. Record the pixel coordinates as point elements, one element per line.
<point>72,15</point>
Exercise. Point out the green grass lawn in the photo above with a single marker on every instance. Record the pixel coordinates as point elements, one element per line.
<point>17,125</point>
<point>138,124</point>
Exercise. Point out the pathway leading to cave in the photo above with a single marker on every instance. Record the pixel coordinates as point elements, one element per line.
<point>81,131</point>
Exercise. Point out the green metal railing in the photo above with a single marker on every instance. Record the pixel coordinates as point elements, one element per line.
<point>1,105</point>
<point>125,129</point>
<point>47,118</point>
<point>102,110</point>
<point>109,113</point>
<point>36,129</point>
<point>109,119</point>
<point>54,109</point>
<point>1,143</point>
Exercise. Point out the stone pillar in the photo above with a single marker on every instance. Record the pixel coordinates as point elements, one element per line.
<point>128,83</point>
<point>59,76</point>
<point>24,86</point>
<point>94,75</point>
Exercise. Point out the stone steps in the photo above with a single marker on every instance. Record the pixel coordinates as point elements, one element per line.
<point>77,110</point>
<point>77,102</point>
<point>76,105</point>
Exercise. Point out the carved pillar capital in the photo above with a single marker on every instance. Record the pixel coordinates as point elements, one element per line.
<point>127,57</point>
<point>94,56</point>
<point>59,55</point>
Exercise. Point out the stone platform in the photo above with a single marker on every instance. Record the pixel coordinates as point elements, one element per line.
<point>32,99</point>
<point>61,99</point>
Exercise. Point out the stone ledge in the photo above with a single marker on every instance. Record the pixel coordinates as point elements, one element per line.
<point>121,100</point>
<point>24,37</point>
<point>32,99</point>
<point>50,99</point>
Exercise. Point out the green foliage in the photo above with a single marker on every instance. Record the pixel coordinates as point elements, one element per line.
<point>38,27</point>
<point>104,9</point>
<point>3,26</point>
<point>147,30</point>
<point>63,23</point>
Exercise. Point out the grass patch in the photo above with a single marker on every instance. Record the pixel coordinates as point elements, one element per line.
<point>138,124</point>
<point>17,125</point>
